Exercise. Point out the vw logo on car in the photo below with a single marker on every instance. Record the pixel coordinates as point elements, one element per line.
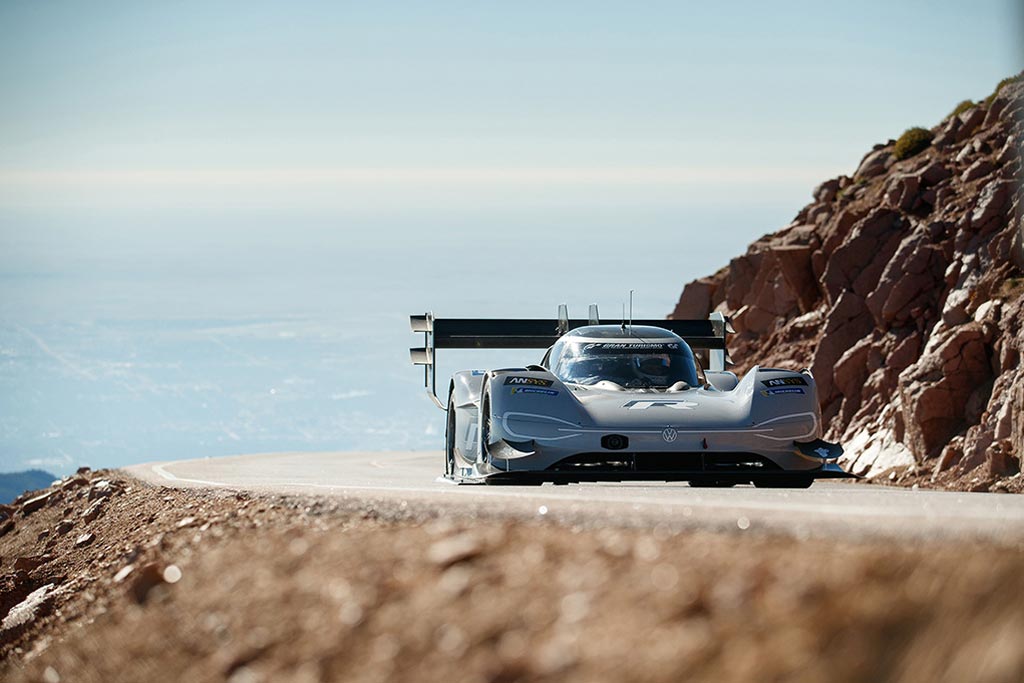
<point>669,434</point>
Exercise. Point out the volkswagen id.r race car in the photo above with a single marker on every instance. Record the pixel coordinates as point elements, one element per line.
<point>621,402</point>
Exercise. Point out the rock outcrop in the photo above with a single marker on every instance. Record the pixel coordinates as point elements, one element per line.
<point>902,288</point>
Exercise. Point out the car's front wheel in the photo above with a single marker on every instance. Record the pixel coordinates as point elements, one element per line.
<point>449,440</point>
<point>484,431</point>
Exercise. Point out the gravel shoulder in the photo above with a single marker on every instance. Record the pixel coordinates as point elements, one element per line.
<point>111,578</point>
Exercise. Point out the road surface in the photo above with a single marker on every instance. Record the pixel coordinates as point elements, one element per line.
<point>410,481</point>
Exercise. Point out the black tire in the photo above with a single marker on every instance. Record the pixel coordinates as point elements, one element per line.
<point>792,481</point>
<point>449,440</point>
<point>484,423</point>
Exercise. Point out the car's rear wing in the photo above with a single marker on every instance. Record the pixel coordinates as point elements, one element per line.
<point>540,333</point>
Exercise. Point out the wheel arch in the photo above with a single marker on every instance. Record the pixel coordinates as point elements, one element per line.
<point>465,388</point>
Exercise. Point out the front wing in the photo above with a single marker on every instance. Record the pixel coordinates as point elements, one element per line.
<point>828,471</point>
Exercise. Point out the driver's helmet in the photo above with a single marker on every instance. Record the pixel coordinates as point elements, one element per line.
<point>652,368</point>
<point>582,368</point>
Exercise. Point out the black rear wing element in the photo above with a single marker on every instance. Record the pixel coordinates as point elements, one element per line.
<point>540,333</point>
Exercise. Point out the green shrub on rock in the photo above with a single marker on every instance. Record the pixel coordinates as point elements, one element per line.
<point>1011,288</point>
<point>1002,83</point>
<point>961,108</point>
<point>912,141</point>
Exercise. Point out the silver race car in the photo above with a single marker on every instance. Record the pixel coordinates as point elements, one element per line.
<point>619,402</point>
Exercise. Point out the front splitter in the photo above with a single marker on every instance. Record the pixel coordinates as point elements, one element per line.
<point>828,471</point>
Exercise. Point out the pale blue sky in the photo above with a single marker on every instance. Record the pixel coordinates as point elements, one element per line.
<point>122,103</point>
<point>215,217</point>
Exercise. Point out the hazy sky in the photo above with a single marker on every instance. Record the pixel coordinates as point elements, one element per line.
<point>129,104</point>
<point>216,216</point>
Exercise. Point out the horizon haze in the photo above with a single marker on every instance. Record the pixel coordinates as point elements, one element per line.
<point>215,219</point>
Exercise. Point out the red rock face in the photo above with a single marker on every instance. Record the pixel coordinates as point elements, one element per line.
<point>936,391</point>
<point>902,288</point>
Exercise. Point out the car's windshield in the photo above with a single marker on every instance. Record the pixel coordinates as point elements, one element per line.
<point>628,364</point>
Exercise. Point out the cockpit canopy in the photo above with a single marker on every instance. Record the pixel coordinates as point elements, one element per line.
<point>640,358</point>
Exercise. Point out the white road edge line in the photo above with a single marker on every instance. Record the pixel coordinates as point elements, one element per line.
<point>159,469</point>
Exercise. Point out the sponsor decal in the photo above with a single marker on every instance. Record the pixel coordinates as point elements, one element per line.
<point>619,347</point>
<point>783,390</point>
<point>785,382</point>
<point>669,434</point>
<point>528,381</point>
<point>477,373</point>
<point>534,390</point>
<point>674,405</point>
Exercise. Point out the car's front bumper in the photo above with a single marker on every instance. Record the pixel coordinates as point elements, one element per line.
<point>815,459</point>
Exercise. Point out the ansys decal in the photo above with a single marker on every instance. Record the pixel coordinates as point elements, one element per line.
<point>785,382</point>
<point>528,381</point>
<point>675,405</point>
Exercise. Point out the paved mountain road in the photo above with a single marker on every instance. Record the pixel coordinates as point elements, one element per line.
<point>410,481</point>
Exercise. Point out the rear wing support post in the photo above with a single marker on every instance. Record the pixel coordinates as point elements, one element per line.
<point>718,358</point>
<point>425,355</point>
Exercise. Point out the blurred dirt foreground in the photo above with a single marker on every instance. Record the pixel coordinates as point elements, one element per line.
<point>105,578</point>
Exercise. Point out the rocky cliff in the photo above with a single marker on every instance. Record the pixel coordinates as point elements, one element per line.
<point>901,288</point>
